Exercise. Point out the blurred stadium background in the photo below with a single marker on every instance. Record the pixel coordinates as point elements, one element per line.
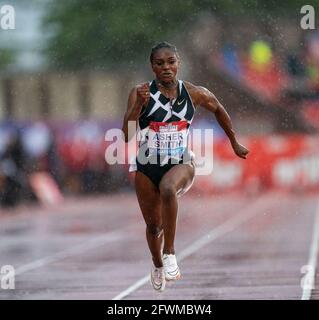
<point>67,68</point>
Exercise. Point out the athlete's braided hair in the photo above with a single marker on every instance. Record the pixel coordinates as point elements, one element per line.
<point>161,45</point>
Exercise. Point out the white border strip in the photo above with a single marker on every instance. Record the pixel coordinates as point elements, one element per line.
<point>309,280</point>
<point>242,216</point>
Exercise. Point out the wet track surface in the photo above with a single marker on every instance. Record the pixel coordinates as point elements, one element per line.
<point>229,247</point>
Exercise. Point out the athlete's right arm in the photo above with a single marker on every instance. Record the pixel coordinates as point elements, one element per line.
<point>138,97</point>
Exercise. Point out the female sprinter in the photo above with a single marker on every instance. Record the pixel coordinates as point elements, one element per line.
<point>163,110</point>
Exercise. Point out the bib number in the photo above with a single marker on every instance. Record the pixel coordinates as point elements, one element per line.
<point>167,139</point>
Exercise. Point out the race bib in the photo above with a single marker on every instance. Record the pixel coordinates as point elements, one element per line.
<point>167,139</point>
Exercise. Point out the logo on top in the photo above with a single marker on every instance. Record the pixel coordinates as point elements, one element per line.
<point>169,127</point>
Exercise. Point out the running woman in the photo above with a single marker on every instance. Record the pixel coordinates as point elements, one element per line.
<point>163,110</point>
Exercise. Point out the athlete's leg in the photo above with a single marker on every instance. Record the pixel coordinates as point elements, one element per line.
<point>178,179</point>
<point>150,203</point>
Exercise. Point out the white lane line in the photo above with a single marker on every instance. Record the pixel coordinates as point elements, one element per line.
<point>309,279</point>
<point>242,216</point>
<point>77,249</point>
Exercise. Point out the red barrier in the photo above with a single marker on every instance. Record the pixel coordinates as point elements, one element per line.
<point>282,162</point>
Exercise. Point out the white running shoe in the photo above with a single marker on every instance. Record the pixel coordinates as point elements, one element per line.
<point>158,278</point>
<point>170,266</point>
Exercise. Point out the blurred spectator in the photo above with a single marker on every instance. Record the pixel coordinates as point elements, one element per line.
<point>303,72</point>
<point>298,85</point>
<point>12,170</point>
<point>36,142</point>
<point>261,56</point>
<point>312,60</point>
<point>231,60</point>
<point>263,73</point>
<point>295,66</point>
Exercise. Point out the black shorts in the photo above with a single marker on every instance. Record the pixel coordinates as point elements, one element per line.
<point>154,172</point>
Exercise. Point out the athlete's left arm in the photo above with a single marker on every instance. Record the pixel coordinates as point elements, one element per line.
<point>207,100</point>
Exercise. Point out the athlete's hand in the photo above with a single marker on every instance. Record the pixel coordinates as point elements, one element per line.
<point>143,94</point>
<point>240,150</point>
